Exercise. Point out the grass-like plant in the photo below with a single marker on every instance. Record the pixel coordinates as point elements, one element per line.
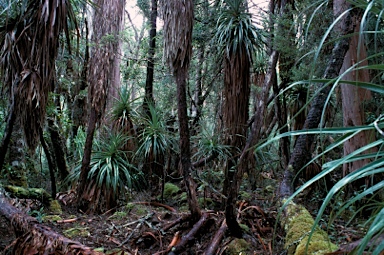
<point>110,171</point>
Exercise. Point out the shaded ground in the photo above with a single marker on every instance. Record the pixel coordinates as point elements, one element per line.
<point>142,227</point>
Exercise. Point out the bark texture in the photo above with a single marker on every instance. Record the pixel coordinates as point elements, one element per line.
<point>302,150</point>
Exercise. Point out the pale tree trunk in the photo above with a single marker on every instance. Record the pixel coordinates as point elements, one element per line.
<point>353,98</point>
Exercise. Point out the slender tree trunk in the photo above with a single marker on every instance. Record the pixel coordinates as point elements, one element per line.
<point>303,148</point>
<point>148,98</point>
<point>185,151</point>
<point>82,196</point>
<point>51,165</point>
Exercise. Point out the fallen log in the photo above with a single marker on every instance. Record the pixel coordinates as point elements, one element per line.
<point>301,237</point>
<point>35,238</point>
<point>29,193</point>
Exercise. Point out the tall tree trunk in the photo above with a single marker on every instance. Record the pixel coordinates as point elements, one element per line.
<point>302,151</point>
<point>235,112</point>
<point>148,98</point>
<point>178,25</point>
<point>102,77</point>
<point>353,98</point>
<point>185,151</point>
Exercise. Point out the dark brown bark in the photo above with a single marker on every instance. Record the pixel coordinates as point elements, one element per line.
<point>190,236</point>
<point>59,149</point>
<point>148,98</point>
<point>35,238</point>
<point>235,113</point>
<point>82,197</point>
<point>185,151</point>
<point>302,150</point>
<point>216,239</point>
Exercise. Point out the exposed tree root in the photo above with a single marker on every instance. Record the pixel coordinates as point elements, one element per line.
<point>190,236</point>
<point>213,246</point>
<point>34,238</point>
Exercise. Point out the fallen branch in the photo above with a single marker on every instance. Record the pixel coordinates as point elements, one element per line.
<point>29,193</point>
<point>191,234</point>
<point>216,239</point>
<point>174,223</point>
<point>35,238</point>
<point>141,222</point>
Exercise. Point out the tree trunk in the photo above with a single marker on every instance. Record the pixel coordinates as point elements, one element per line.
<point>82,196</point>
<point>103,79</point>
<point>17,174</point>
<point>353,98</point>
<point>303,148</point>
<point>148,98</point>
<point>185,151</point>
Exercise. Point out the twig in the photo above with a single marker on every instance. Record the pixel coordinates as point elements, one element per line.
<point>141,221</point>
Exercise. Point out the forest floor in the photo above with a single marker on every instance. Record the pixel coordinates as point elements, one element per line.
<point>141,227</point>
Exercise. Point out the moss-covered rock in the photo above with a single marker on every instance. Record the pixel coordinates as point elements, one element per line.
<point>238,246</point>
<point>75,232</point>
<point>170,190</point>
<point>298,224</point>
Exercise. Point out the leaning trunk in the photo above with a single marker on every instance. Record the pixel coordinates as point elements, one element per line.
<point>303,148</point>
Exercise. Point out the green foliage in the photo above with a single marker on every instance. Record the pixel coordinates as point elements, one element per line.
<point>38,214</point>
<point>154,139</point>
<point>110,166</point>
<point>235,30</point>
<point>208,144</point>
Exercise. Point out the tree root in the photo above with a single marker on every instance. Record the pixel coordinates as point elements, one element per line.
<point>190,236</point>
<point>216,239</point>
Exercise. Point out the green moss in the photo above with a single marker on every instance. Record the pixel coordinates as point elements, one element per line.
<point>129,206</point>
<point>317,246</point>
<point>141,210</point>
<point>298,225</point>
<point>205,202</point>
<point>75,232</point>
<point>170,190</point>
<point>119,215</point>
<point>55,207</point>
<point>51,218</point>
<point>238,246</point>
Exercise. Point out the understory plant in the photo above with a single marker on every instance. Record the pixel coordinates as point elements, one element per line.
<point>111,173</point>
